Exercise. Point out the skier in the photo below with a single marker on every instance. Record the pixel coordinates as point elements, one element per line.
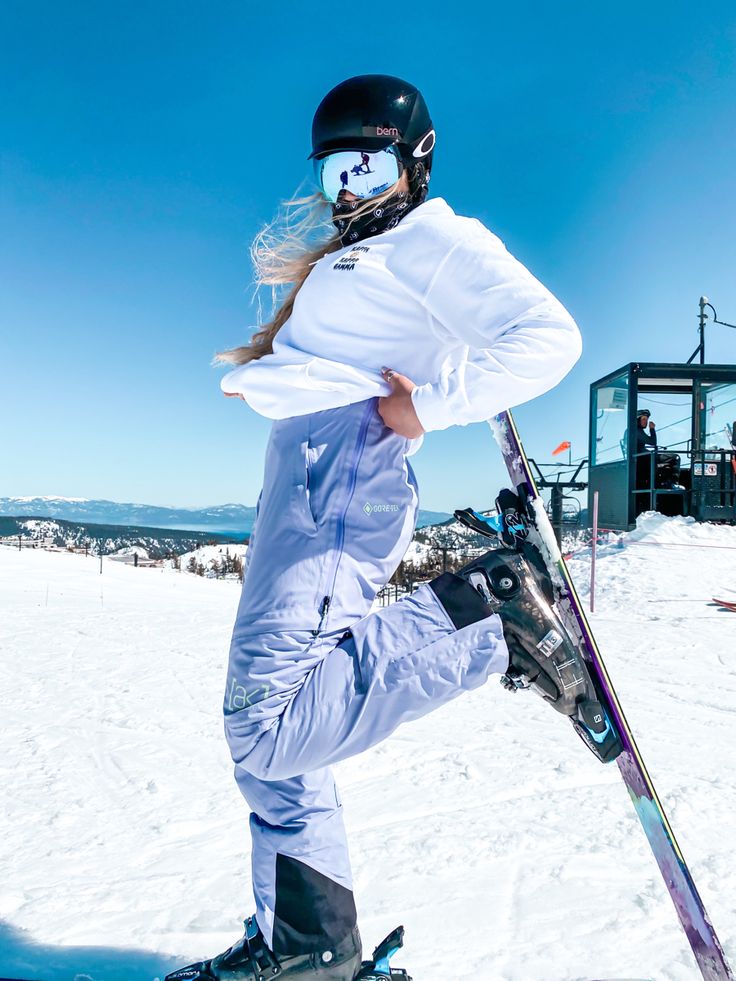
<point>408,319</point>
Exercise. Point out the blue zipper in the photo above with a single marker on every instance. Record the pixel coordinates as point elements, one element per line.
<point>357,454</point>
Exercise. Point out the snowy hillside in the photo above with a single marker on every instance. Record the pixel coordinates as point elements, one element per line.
<point>155,543</point>
<point>487,828</point>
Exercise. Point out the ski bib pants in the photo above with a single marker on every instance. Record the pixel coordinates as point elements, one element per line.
<point>313,676</point>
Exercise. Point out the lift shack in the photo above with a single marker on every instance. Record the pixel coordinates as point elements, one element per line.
<point>693,471</point>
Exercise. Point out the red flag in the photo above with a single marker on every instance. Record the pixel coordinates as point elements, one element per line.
<point>563,446</point>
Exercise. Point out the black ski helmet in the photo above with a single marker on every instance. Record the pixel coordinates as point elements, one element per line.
<point>371,112</point>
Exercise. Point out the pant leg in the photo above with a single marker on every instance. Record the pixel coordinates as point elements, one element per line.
<point>300,866</point>
<point>394,665</point>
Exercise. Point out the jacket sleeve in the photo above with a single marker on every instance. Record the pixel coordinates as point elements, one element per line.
<point>290,382</point>
<point>519,339</point>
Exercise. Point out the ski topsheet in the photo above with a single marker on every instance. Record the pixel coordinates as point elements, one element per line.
<point>726,604</point>
<point>693,916</point>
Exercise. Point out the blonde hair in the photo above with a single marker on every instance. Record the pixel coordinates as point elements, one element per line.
<point>283,255</point>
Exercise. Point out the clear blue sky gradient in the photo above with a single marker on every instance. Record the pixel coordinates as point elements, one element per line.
<point>144,144</point>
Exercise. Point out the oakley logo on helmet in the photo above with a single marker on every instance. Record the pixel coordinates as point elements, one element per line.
<point>425,145</point>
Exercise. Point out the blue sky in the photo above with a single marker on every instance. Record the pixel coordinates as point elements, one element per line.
<point>144,144</point>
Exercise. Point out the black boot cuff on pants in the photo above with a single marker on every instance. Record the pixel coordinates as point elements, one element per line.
<point>313,912</point>
<point>462,602</point>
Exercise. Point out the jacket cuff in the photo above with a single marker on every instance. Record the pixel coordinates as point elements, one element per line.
<point>233,381</point>
<point>430,407</point>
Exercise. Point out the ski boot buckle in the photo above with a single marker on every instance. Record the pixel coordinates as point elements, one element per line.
<point>379,967</point>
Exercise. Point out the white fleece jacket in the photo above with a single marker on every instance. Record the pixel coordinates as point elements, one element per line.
<point>439,299</point>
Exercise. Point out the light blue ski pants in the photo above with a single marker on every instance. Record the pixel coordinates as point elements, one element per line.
<point>314,677</point>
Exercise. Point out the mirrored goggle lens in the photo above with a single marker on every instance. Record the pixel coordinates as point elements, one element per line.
<point>364,174</point>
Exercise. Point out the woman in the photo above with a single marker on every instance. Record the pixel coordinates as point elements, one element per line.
<point>409,319</point>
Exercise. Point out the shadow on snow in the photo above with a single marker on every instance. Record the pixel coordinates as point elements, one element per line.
<point>23,957</point>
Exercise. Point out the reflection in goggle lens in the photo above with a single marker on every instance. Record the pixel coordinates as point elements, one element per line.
<point>364,174</point>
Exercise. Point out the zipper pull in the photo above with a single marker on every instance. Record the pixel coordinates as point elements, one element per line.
<point>323,608</point>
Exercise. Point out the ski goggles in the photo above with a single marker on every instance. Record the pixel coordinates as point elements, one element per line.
<point>361,172</point>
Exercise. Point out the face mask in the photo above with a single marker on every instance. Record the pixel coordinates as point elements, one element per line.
<point>385,215</point>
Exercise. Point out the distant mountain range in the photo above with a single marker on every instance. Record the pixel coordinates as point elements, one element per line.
<point>226,519</point>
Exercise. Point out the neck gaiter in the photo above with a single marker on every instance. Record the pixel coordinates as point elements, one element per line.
<point>384,216</point>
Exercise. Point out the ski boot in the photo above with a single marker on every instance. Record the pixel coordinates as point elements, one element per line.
<point>379,968</point>
<point>250,959</point>
<point>515,582</point>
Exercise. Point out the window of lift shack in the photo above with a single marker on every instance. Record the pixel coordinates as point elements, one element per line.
<point>717,418</point>
<point>610,421</point>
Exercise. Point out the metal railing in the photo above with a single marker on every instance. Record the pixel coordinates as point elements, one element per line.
<point>712,482</point>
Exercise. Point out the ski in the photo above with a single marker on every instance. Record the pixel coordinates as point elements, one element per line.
<point>726,604</point>
<point>693,916</point>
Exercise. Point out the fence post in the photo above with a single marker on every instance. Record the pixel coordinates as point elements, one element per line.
<point>592,554</point>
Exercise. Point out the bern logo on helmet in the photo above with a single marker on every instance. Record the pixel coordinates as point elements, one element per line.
<point>425,145</point>
<point>387,131</point>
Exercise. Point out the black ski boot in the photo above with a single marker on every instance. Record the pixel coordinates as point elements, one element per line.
<point>250,959</point>
<point>514,581</point>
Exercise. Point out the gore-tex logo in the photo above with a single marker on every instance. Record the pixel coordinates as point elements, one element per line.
<point>373,508</point>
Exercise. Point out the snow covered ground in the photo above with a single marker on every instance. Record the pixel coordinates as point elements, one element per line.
<point>507,851</point>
